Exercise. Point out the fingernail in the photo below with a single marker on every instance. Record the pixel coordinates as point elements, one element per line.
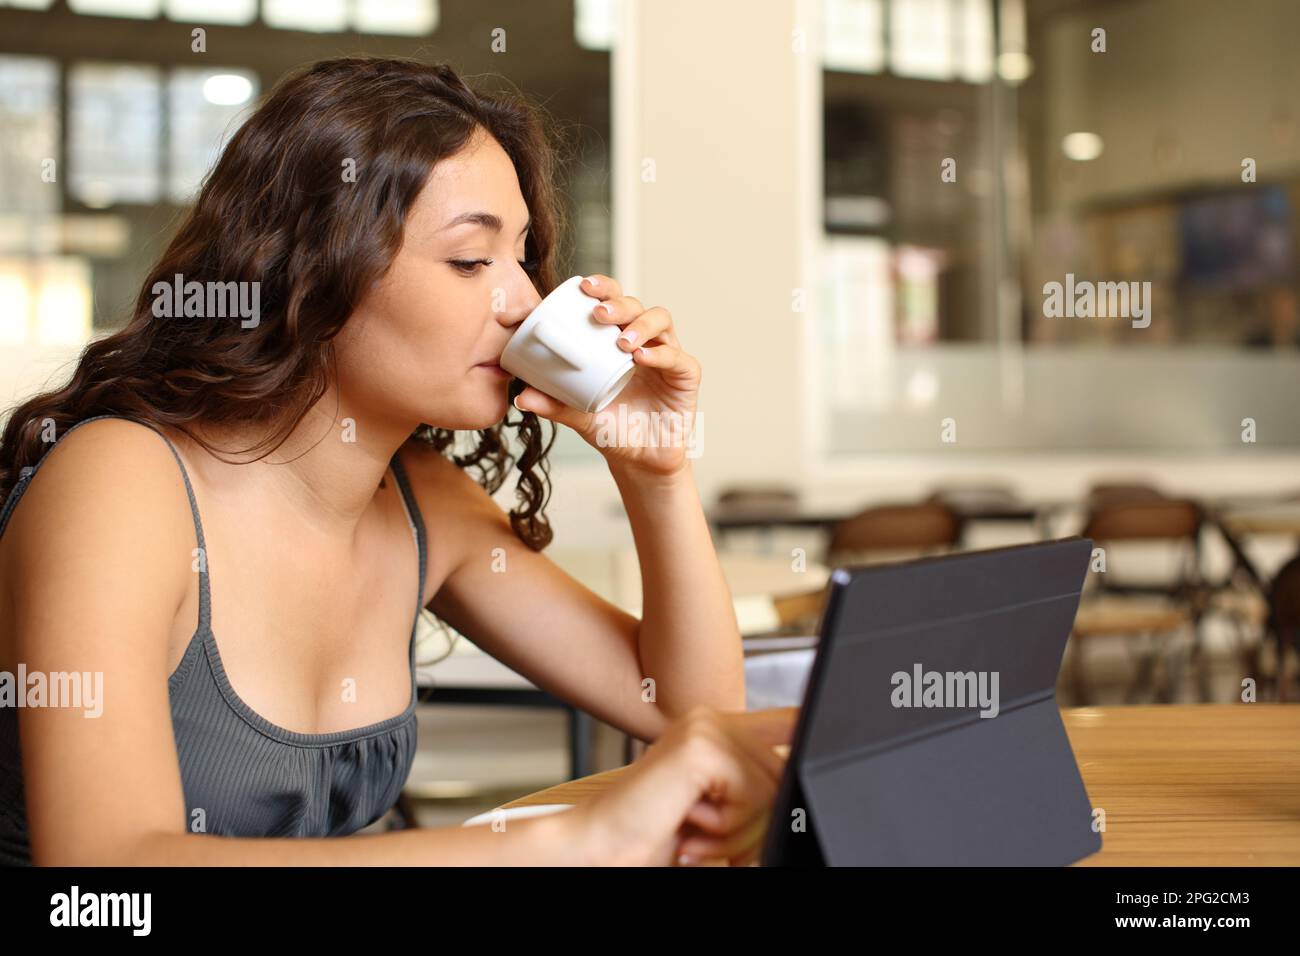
<point>591,281</point>
<point>685,860</point>
<point>516,404</point>
<point>603,310</point>
<point>629,337</point>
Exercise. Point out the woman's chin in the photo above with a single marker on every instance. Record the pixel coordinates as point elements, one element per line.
<point>487,414</point>
<point>481,410</point>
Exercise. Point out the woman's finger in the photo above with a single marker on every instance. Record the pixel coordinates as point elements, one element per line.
<point>668,359</point>
<point>698,758</point>
<point>744,841</point>
<point>651,326</point>
<point>709,818</point>
<point>544,406</point>
<point>755,739</point>
<point>645,328</point>
<point>619,310</point>
<point>601,287</point>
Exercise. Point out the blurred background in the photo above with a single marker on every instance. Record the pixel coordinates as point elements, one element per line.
<point>854,209</point>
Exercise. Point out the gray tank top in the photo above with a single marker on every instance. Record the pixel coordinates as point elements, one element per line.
<point>242,775</point>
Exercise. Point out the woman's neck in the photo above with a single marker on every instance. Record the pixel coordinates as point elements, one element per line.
<point>326,473</point>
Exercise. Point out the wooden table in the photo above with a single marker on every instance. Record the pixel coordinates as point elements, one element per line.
<point>1236,524</point>
<point>1185,785</point>
<point>1282,519</point>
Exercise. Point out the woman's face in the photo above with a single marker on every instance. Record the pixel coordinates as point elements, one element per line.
<point>415,346</point>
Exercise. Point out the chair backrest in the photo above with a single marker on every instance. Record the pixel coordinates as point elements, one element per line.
<point>1115,493</point>
<point>1284,596</point>
<point>975,494</point>
<point>1159,536</point>
<point>758,496</point>
<point>1153,519</point>
<point>805,608</point>
<point>931,524</point>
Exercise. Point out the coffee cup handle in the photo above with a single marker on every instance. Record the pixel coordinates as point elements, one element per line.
<point>554,340</point>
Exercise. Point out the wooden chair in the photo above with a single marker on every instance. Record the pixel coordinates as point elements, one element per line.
<point>1283,619</point>
<point>890,532</point>
<point>1121,492</point>
<point>759,497</point>
<point>1148,612</point>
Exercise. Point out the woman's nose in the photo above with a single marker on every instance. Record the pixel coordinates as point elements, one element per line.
<point>520,308</point>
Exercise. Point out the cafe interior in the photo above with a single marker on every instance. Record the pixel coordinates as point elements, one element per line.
<point>864,216</point>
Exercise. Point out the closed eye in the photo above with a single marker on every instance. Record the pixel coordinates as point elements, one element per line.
<point>470,267</point>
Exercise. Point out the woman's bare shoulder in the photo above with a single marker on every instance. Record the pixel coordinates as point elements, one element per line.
<point>440,480</point>
<point>457,511</point>
<point>110,486</point>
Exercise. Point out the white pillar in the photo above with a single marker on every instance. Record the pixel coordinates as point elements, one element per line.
<point>716,114</point>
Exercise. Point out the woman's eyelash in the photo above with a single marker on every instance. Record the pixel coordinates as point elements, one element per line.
<point>470,266</point>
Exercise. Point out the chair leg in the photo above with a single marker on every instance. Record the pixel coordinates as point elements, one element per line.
<point>581,730</point>
<point>1280,666</point>
<point>1145,668</point>
<point>1164,674</point>
<point>404,810</point>
<point>1078,678</point>
<point>1248,650</point>
<point>1178,670</point>
<point>1201,664</point>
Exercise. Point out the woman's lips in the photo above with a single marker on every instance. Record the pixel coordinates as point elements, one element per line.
<point>494,368</point>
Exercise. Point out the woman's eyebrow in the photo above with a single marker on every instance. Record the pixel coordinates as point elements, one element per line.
<point>486,219</point>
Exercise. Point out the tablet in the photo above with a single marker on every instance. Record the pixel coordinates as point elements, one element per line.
<point>929,733</point>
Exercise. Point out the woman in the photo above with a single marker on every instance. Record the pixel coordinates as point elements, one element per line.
<point>391,228</point>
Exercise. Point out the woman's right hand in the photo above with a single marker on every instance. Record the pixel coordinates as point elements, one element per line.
<point>703,791</point>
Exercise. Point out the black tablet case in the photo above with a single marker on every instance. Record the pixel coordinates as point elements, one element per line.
<point>886,786</point>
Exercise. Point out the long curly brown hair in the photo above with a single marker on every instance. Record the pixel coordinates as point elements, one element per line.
<point>272,211</point>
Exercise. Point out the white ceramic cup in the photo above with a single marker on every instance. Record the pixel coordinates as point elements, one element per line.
<point>561,349</point>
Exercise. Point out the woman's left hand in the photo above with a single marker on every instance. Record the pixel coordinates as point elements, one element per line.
<point>666,382</point>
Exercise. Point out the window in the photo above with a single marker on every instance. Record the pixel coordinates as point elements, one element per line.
<point>113,133</point>
<point>138,9</point>
<point>204,108</point>
<point>315,15</point>
<point>928,39</point>
<point>853,35</point>
<point>975,41</point>
<point>595,23</point>
<point>395,17</point>
<point>236,12</point>
<point>921,39</point>
<point>29,115</point>
<point>45,301</point>
<point>399,17</point>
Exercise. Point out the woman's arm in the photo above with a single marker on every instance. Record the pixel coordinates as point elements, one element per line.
<point>557,840</point>
<point>523,609</point>
<point>689,640</point>
<point>703,791</point>
<point>99,560</point>
<point>686,650</point>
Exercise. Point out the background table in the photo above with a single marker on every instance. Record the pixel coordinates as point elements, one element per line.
<point>1196,785</point>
